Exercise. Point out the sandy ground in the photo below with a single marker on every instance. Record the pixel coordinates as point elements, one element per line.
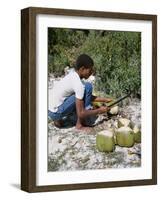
<point>70,149</point>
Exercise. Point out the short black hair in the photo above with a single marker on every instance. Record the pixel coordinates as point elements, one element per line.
<point>84,60</point>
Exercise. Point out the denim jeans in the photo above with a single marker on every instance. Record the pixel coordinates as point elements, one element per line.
<point>68,106</point>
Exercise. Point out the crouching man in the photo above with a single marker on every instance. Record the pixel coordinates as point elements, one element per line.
<point>71,95</point>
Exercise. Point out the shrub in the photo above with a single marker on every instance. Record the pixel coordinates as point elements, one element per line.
<point>117,56</point>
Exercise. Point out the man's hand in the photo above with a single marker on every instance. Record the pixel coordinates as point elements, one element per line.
<point>103,109</point>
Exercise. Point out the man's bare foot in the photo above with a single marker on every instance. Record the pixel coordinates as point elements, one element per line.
<point>58,123</point>
<point>81,126</point>
<point>84,128</point>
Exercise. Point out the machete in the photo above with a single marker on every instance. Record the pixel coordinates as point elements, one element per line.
<point>118,100</point>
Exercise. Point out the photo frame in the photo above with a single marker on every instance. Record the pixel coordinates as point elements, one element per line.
<point>32,153</point>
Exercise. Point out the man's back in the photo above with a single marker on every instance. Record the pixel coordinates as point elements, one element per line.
<point>70,84</point>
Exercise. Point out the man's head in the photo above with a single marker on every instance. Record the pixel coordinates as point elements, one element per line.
<point>84,66</point>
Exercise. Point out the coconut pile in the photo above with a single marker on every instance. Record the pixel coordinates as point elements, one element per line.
<point>122,135</point>
<point>114,142</point>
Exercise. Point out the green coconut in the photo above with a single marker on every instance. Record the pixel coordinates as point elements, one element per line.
<point>114,133</point>
<point>137,134</point>
<point>96,104</point>
<point>125,136</point>
<point>105,141</point>
<point>115,139</point>
<point>124,122</point>
<point>114,110</point>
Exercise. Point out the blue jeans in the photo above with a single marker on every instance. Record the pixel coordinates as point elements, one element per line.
<point>68,106</point>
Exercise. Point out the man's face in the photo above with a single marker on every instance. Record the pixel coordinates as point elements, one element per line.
<point>87,72</point>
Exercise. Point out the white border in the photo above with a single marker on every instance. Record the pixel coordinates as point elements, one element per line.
<point>50,178</point>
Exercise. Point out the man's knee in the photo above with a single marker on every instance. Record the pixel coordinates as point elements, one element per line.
<point>88,86</point>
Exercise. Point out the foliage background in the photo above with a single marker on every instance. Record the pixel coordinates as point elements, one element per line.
<point>116,54</point>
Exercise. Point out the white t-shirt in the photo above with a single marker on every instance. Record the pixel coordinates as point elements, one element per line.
<point>69,85</point>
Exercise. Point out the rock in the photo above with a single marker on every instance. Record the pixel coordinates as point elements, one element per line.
<point>85,159</point>
<point>105,141</point>
<point>125,137</point>
<point>59,140</point>
<point>114,110</point>
<point>137,134</point>
<point>91,79</point>
<point>132,111</point>
<point>124,122</point>
<point>115,124</point>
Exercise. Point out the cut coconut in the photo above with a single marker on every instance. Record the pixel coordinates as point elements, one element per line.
<point>105,141</point>
<point>125,137</point>
<point>114,110</point>
<point>137,134</point>
<point>124,122</point>
<point>114,134</point>
<point>115,138</point>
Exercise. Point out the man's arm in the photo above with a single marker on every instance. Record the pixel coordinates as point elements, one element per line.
<point>82,113</point>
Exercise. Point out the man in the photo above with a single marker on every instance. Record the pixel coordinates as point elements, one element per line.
<point>71,95</point>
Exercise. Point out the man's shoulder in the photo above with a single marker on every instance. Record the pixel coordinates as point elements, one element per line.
<point>73,75</point>
<point>73,80</point>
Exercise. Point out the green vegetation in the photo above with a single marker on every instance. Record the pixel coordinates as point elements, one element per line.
<point>117,56</point>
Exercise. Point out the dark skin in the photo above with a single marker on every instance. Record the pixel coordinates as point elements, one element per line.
<point>81,112</point>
